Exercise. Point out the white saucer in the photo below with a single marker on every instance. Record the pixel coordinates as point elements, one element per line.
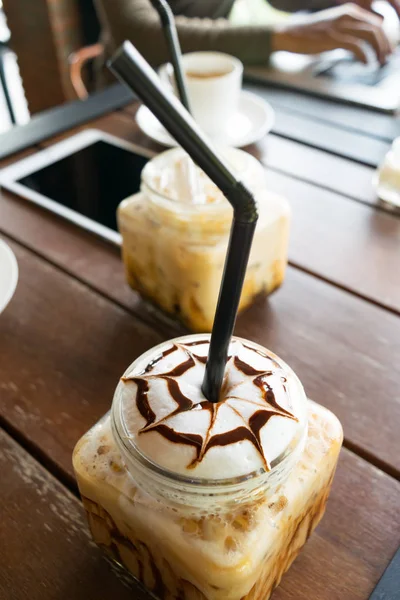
<point>252,122</point>
<point>8,274</point>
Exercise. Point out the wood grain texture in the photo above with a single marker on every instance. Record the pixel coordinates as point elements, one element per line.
<point>343,241</point>
<point>297,160</point>
<point>332,236</point>
<point>342,560</point>
<point>68,350</point>
<point>351,118</point>
<point>291,158</point>
<point>61,118</point>
<point>345,352</point>
<point>46,551</point>
<point>319,168</point>
<point>120,123</point>
<point>74,325</point>
<point>306,128</point>
<point>83,255</point>
<point>45,547</point>
<point>4,162</point>
<point>56,330</point>
<point>105,123</point>
<point>330,138</point>
<point>338,239</point>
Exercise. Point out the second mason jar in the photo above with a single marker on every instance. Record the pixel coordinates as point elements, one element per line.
<point>175,235</point>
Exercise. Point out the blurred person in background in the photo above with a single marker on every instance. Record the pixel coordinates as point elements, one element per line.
<point>203,25</point>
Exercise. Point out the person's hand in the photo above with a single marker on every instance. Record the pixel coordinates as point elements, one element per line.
<point>367,5</point>
<point>347,26</point>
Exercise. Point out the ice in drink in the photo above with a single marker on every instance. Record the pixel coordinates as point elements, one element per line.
<point>175,234</point>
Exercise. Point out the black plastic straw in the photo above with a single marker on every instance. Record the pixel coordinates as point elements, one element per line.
<point>168,24</point>
<point>130,66</point>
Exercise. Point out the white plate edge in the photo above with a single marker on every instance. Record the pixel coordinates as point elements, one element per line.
<point>15,274</point>
<point>247,140</point>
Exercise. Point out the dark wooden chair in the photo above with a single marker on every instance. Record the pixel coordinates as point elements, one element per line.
<point>4,50</point>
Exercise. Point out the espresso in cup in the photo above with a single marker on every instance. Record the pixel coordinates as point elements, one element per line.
<point>213,81</point>
<point>205,75</point>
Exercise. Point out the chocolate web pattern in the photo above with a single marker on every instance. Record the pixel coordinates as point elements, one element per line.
<point>250,429</point>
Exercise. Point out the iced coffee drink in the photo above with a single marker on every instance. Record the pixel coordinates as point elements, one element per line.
<point>175,234</point>
<point>207,501</point>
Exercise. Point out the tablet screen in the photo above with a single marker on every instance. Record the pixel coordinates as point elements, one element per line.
<point>92,181</point>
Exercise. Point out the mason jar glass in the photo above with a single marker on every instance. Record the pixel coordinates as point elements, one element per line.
<point>174,247</point>
<point>186,537</point>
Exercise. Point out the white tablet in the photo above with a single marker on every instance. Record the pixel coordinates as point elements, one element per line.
<point>82,179</point>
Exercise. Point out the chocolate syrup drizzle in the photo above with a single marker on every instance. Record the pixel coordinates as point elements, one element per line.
<point>251,428</point>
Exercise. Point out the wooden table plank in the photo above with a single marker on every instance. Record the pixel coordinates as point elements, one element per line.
<point>56,331</point>
<point>340,142</point>
<point>339,559</point>
<point>343,350</point>
<point>336,238</point>
<point>63,347</point>
<point>45,548</point>
<point>320,137</point>
<point>62,118</point>
<point>348,178</point>
<point>343,241</point>
<point>46,552</point>
<point>371,123</point>
<point>334,173</point>
<point>312,127</point>
<point>72,347</point>
<point>12,159</point>
<point>331,236</point>
<point>338,174</point>
<point>118,123</point>
<point>83,255</point>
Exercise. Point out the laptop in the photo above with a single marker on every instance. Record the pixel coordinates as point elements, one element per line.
<point>337,74</point>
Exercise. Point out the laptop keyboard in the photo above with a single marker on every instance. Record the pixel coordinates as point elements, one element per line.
<point>349,70</point>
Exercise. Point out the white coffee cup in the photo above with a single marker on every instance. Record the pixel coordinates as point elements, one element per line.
<point>213,81</point>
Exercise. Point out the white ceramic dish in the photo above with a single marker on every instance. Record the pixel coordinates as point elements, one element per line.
<point>8,274</point>
<point>254,119</point>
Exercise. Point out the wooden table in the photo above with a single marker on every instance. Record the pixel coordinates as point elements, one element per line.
<point>74,325</point>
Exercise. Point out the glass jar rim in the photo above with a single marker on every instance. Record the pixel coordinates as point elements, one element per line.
<point>130,450</point>
<point>211,207</point>
<point>170,203</point>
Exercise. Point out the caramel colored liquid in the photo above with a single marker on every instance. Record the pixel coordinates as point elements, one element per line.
<point>205,74</point>
<point>237,554</point>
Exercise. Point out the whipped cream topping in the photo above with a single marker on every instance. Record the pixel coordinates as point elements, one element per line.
<point>261,415</point>
<point>182,180</point>
<point>174,175</point>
